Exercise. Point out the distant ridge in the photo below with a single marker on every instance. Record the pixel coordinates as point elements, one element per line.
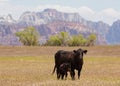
<point>50,21</point>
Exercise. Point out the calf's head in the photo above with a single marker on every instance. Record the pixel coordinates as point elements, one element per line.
<point>65,67</point>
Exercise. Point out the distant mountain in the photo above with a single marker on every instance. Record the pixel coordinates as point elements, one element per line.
<point>113,35</point>
<point>8,19</point>
<point>51,21</point>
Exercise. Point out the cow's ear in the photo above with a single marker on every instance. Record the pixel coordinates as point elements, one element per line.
<point>85,51</point>
<point>74,51</point>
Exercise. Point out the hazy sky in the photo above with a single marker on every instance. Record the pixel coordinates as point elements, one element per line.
<point>95,10</point>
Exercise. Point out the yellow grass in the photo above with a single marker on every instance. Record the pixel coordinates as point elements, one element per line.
<point>32,66</point>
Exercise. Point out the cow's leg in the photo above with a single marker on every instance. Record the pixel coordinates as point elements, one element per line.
<point>62,76</point>
<point>66,75</point>
<point>73,74</point>
<point>79,72</point>
<point>58,74</point>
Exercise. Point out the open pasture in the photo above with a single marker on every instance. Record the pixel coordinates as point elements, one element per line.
<point>32,66</point>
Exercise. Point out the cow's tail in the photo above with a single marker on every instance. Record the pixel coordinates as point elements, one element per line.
<point>54,69</point>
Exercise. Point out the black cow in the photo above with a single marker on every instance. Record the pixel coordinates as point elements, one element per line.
<point>63,69</point>
<point>75,58</point>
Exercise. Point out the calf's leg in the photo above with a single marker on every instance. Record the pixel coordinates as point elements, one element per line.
<point>58,74</point>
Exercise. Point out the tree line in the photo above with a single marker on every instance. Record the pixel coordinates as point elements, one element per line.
<point>30,37</point>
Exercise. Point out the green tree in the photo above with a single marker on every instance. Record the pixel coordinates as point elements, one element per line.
<point>77,40</point>
<point>60,39</point>
<point>64,38</point>
<point>53,41</point>
<point>91,40</point>
<point>29,36</point>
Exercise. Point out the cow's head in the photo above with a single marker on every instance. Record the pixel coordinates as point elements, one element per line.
<point>79,53</point>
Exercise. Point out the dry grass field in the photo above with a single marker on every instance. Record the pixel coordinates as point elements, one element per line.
<point>32,66</point>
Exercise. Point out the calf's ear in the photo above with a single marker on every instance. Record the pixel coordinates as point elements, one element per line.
<point>85,51</point>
